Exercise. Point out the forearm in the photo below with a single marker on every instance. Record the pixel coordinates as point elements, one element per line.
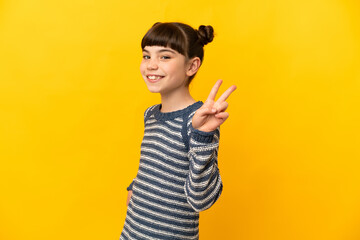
<point>203,185</point>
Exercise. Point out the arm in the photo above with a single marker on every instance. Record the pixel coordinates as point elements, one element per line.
<point>128,197</point>
<point>203,185</point>
<point>129,189</point>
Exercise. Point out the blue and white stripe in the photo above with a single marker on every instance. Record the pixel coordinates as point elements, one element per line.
<point>178,177</point>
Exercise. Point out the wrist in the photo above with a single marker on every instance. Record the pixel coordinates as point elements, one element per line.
<point>202,136</point>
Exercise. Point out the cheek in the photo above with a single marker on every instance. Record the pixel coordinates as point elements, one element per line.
<point>142,68</point>
<point>142,71</point>
<point>173,69</point>
<point>178,71</point>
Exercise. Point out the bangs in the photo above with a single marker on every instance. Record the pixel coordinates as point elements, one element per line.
<point>165,35</point>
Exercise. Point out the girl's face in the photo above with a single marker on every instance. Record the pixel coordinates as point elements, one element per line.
<point>163,69</point>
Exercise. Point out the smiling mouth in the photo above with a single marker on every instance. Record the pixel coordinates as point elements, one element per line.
<point>154,78</point>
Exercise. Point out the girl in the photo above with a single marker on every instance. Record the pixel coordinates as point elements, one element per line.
<point>178,175</point>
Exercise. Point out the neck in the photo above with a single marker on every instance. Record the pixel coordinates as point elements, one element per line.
<point>176,100</point>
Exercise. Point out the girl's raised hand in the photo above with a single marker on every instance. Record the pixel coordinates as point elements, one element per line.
<point>212,114</point>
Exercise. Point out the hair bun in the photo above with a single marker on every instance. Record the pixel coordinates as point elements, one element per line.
<point>206,34</point>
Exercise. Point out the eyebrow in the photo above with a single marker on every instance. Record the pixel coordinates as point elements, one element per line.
<point>162,50</point>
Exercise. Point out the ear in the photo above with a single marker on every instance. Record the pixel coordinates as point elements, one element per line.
<point>193,66</point>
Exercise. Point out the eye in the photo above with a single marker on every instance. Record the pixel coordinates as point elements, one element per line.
<point>146,57</point>
<point>165,57</point>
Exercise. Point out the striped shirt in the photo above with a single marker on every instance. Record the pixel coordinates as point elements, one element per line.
<point>178,177</point>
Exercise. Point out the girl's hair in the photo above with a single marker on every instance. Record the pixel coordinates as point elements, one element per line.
<point>180,37</point>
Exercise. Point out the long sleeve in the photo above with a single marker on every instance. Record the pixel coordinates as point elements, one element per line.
<point>129,188</point>
<point>203,185</point>
<point>146,116</point>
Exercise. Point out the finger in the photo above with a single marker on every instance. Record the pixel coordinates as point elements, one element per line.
<point>223,115</point>
<point>226,94</point>
<point>221,107</point>
<point>208,104</point>
<point>204,111</point>
<point>214,90</point>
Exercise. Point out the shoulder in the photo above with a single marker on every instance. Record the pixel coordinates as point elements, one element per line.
<point>188,120</point>
<point>149,111</point>
<point>189,114</point>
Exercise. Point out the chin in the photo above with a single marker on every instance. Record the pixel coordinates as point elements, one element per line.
<point>153,89</point>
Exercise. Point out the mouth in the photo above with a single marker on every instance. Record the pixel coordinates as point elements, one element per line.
<point>153,78</point>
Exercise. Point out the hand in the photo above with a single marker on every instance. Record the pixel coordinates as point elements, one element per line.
<point>212,114</point>
<point>128,197</point>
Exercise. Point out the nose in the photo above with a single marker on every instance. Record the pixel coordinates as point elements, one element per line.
<point>152,64</point>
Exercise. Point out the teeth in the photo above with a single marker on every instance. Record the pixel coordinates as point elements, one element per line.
<point>153,77</point>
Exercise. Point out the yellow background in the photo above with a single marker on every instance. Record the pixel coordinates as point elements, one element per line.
<point>72,102</point>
